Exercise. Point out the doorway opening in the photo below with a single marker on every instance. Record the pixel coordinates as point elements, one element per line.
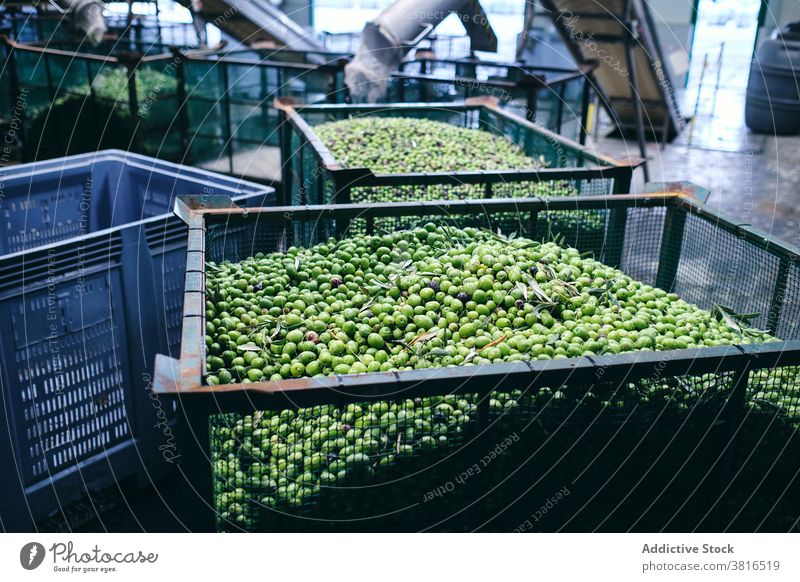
<point>725,34</point>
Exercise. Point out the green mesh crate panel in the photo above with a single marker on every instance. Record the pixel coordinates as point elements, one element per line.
<point>230,101</point>
<point>554,100</point>
<point>419,463</point>
<point>199,108</point>
<point>81,103</point>
<point>616,450</point>
<point>59,32</point>
<point>762,494</point>
<point>309,177</point>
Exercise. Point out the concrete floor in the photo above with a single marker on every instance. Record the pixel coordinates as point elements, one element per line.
<point>753,179</point>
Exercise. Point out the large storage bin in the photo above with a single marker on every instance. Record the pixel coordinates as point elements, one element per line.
<point>91,271</point>
<point>105,98</point>
<point>313,175</point>
<point>229,123</point>
<point>202,107</point>
<point>642,440</point>
<point>773,93</point>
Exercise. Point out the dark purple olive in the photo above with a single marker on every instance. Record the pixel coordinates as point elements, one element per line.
<point>312,337</point>
<point>534,270</point>
<point>463,297</point>
<point>439,417</point>
<point>258,286</point>
<point>335,282</point>
<point>435,286</point>
<point>346,428</point>
<point>332,456</point>
<point>520,303</point>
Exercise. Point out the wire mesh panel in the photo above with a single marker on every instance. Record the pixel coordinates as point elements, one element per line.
<point>142,32</point>
<point>787,301</point>
<point>618,438</point>
<point>158,129</point>
<point>102,97</point>
<point>762,495</point>
<point>642,243</point>
<point>424,464</point>
<point>582,466</point>
<point>78,103</point>
<point>551,97</point>
<point>315,163</point>
<point>74,105</point>
<point>232,123</point>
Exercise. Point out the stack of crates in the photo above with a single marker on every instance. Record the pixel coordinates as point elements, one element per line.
<point>91,287</point>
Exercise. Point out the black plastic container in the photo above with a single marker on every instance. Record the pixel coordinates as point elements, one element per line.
<point>773,90</point>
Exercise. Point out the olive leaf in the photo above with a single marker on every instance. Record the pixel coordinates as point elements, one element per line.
<point>541,307</point>
<point>523,289</point>
<point>539,292</point>
<point>547,270</point>
<point>401,343</point>
<point>249,347</point>
<point>735,320</point>
<point>423,337</point>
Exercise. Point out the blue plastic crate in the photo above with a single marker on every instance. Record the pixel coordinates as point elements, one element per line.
<point>91,288</point>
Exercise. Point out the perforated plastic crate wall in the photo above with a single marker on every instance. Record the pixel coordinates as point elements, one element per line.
<point>65,331</point>
<point>74,375</point>
<point>54,200</point>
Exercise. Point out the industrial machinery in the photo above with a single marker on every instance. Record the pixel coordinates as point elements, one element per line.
<point>387,39</point>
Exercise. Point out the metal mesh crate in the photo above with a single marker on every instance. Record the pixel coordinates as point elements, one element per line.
<point>102,98</point>
<point>617,441</point>
<point>141,31</point>
<point>555,98</point>
<point>312,175</point>
<point>83,102</point>
<point>229,122</point>
<point>205,107</point>
<point>86,309</point>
